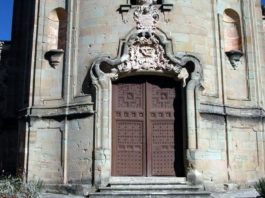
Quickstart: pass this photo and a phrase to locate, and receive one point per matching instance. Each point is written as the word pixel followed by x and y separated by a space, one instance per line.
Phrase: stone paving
pixel 243 193
pixel 47 195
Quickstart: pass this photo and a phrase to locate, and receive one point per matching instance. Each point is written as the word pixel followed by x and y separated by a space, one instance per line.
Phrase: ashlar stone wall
pixel 59 131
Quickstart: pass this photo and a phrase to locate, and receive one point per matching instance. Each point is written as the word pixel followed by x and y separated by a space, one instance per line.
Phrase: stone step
pixel 150 188
pixel 147 180
pixel 130 194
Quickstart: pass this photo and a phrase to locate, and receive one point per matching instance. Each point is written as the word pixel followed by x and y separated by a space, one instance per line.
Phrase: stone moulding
pixel 139 54
pixel 71 110
pixel 248 112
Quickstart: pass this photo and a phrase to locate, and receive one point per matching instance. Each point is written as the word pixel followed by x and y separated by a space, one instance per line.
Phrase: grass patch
pixel 15 187
pixel 260 187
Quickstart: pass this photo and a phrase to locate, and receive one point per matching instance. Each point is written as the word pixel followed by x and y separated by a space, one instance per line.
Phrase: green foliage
pixel 14 187
pixel 32 188
pixel 260 187
pixel 9 186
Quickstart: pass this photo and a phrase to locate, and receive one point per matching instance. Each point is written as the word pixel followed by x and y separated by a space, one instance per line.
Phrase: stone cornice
pixel 245 112
pixel 75 110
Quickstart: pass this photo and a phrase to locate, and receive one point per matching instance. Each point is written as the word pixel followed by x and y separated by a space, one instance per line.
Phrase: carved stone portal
pixel 147 50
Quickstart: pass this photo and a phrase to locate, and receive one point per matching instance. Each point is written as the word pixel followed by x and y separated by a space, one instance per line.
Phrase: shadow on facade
pixel 15 61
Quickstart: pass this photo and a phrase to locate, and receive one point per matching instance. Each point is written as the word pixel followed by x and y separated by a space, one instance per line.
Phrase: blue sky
pixel 6 10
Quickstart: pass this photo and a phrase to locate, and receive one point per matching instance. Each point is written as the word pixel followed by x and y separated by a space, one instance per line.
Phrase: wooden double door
pixel 147 127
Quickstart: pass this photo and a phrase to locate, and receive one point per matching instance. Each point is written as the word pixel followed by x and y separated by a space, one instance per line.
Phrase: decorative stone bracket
pixel 54 57
pixel 234 57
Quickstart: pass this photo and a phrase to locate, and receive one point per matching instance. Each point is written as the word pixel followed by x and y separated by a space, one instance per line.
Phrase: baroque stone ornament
pixel 147 50
pixel 146 17
pixel 145 53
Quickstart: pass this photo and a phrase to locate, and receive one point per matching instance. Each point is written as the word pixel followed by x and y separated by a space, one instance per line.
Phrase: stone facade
pixel 68 52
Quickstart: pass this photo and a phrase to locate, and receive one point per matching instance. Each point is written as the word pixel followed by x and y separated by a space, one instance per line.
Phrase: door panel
pixel 129 129
pixel 144 131
pixel 160 127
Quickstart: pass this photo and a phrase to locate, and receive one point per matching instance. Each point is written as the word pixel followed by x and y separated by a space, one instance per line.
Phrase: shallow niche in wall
pixel 232 37
pixel 56 34
pixel 52 75
pixel 236 73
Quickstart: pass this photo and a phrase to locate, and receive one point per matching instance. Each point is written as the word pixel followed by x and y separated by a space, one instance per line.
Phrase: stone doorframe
pixel 140 54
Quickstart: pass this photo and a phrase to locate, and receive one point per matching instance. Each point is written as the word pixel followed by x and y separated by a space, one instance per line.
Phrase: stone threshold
pixel 147 180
